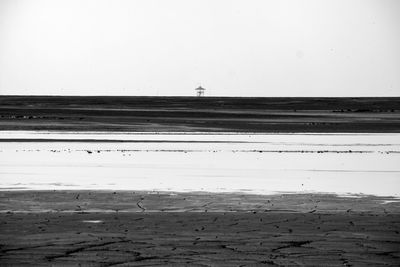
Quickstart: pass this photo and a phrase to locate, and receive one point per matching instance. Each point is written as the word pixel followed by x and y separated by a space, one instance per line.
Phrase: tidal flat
pixel 125 228
pixel 349 164
pixel 201 114
pixel 199 199
pixel 184 181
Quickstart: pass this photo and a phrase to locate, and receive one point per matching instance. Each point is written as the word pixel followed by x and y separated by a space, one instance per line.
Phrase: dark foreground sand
pixel 68 228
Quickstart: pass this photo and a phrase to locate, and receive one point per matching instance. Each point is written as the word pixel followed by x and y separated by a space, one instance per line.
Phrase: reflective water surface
pixel 253 163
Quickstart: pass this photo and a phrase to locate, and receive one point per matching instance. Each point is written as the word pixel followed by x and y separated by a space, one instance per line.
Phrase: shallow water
pixel 253 163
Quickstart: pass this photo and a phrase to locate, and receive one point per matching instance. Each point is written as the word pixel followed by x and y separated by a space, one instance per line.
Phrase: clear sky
pixel 230 47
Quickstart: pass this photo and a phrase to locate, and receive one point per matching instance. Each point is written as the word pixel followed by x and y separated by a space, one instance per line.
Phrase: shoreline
pixel 195 133
pixel 209 163
pixel 166 228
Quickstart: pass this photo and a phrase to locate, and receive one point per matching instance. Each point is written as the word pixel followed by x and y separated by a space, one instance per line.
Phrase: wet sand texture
pixel 361 232
pixel 188 114
pixel 200 239
pixel 152 201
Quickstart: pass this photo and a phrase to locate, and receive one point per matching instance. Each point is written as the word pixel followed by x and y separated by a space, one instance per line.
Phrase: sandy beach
pixel 124 228
pixel 239 184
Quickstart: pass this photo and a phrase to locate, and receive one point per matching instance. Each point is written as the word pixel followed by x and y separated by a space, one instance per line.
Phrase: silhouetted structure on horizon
pixel 200 91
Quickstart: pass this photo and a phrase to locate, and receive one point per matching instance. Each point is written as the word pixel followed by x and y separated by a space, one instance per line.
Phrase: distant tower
pixel 200 91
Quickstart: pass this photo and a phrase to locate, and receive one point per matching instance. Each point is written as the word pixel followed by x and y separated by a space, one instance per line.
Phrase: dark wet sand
pixel 149 228
pixel 193 114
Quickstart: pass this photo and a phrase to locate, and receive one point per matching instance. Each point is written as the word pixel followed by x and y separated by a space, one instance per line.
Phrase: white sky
pixel 230 47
